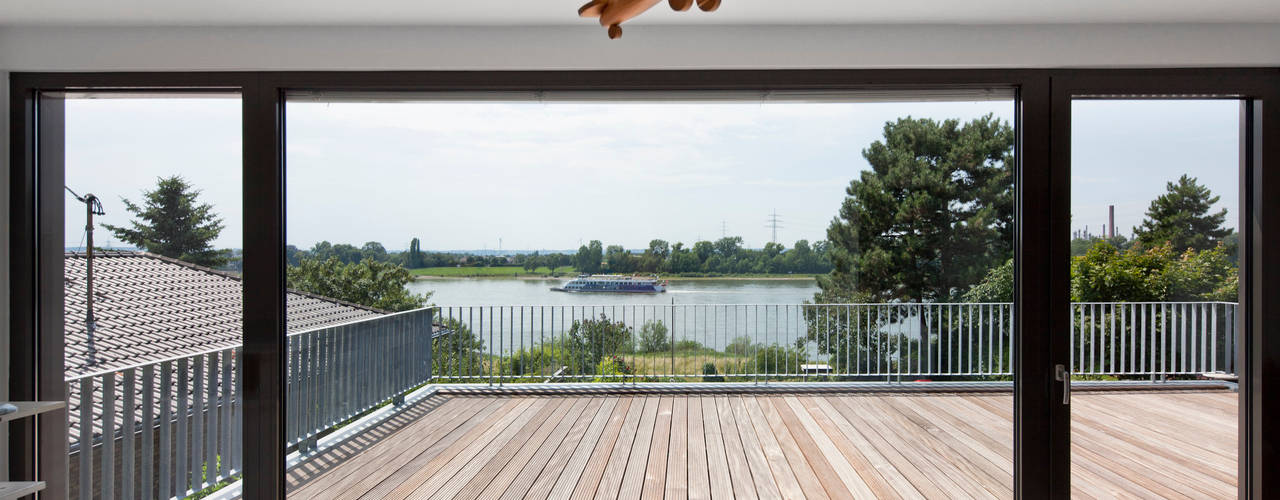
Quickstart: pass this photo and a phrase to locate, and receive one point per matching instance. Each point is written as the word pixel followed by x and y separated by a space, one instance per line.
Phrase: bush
pixel 689 346
pixel 777 359
pixel 613 367
pixel 654 337
pixel 709 373
pixel 741 346
pixel 590 340
pixel 459 353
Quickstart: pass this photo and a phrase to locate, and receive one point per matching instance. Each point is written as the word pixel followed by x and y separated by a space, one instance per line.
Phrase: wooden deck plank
pixel 559 482
pixel 981 467
pixel 611 480
pixel 883 445
pixel 906 466
pixel 400 472
pixel 585 487
pixel 766 485
pixel 561 444
pixel 817 409
pixel 501 446
pixel 717 461
pixel 699 472
pixel 655 475
pixel 449 463
pixel 739 469
pixel 831 481
pixel 638 460
pixel 485 430
pixel 362 471
pixel 677 473
pixel 543 443
pixel 779 469
pixel 804 413
pixel 932 457
pixel 800 467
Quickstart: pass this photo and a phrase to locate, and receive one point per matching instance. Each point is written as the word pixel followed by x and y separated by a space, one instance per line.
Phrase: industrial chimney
pixel 1111 220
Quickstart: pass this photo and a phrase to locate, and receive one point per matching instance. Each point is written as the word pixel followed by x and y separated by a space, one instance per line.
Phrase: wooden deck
pixel 937 445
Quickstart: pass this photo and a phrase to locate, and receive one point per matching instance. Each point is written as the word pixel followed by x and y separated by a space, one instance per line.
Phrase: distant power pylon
pixel 724 229
pixel 775 223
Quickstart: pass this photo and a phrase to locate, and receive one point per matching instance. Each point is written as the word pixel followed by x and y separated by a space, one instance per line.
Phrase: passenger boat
pixel 614 283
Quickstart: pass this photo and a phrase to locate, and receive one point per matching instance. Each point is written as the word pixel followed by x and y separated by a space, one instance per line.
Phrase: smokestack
pixel 1111 219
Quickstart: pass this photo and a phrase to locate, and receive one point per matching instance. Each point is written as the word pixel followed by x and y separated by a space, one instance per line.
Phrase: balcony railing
pixel 761 343
pixel 173 427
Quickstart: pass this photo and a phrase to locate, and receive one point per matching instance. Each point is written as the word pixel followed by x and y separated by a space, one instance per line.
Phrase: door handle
pixel 1063 375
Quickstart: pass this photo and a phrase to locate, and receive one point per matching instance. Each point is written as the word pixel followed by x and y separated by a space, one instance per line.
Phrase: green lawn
pixel 480 272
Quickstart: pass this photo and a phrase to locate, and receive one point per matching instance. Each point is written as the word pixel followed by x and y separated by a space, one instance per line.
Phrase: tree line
pixel 724 256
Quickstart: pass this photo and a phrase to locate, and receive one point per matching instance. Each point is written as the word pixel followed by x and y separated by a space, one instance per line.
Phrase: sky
pixel 554 175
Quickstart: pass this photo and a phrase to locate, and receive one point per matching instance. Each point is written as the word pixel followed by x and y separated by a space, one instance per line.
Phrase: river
pixel 530 292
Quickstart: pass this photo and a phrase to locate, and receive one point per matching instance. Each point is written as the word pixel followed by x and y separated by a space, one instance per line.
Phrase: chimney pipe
pixel 1111 219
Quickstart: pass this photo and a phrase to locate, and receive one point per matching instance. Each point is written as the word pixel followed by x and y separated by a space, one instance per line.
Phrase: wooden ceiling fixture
pixel 613 13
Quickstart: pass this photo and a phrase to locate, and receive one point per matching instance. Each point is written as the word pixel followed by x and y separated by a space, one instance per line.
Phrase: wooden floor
pixel 938 445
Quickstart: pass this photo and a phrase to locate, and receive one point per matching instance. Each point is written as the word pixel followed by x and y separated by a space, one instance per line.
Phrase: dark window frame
pixel 1042 426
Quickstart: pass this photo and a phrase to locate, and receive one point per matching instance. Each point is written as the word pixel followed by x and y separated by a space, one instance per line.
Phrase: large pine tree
pixel 172 222
pixel 1181 218
pixel 930 219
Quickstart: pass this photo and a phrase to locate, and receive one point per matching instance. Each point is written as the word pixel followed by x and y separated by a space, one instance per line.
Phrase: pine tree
pixel 930 219
pixel 1181 217
pixel 173 223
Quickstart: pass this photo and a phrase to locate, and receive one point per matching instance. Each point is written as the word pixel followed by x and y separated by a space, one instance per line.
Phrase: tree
pixel 416 258
pixel 654 337
pixel 374 251
pixel 929 219
pixel 729 246
pixel 531 262
pixel 589 257
pixel 369 283
pixel 590 340
pixel 174 224
pixel 1108 274
pixel 1181 217
pixel 619 259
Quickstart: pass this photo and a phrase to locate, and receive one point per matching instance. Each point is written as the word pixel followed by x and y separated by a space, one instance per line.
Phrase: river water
pixel 513 313
pixel 531 292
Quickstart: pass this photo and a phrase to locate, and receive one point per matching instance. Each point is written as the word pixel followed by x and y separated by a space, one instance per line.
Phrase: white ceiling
pixel 563 12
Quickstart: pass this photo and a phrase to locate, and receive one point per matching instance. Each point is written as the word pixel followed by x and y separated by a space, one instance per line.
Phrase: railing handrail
pixel 792 304
pixel 238 345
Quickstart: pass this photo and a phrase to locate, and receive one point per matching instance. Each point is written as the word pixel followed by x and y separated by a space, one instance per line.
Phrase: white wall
pixel 586 47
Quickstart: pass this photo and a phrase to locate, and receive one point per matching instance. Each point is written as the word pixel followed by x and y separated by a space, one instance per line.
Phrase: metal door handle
pixel 1064 376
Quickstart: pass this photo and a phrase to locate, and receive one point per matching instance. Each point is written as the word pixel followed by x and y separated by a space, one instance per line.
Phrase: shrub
pixel 459 353
pixel 654 337
pixel 741 346
pixel 612 367
pixel 590 340
pixel 709 373
pixel 689 346
pixel 777 359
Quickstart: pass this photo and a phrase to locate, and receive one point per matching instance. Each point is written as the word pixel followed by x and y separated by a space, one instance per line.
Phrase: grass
pixel 489 272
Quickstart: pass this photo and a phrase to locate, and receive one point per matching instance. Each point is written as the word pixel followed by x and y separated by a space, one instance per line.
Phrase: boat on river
pixel 613 283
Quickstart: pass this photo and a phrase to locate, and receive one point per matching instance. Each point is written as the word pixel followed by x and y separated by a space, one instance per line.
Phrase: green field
pixel 488 272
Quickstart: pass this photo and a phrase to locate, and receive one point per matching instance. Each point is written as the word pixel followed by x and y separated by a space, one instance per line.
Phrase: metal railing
pixel 174 427
pixel 952 341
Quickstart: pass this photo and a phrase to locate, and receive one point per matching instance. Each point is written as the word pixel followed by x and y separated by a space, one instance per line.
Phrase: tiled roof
pixel 149 307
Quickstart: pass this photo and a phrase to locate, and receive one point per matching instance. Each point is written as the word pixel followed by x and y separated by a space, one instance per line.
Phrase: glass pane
pixel 1154 284
pixel 644 246
pixel 152 294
